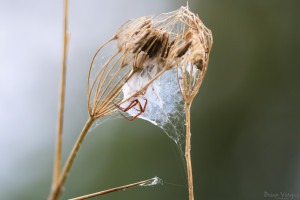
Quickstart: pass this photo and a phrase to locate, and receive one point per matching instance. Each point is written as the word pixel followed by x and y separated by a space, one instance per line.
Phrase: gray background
pixel 245 119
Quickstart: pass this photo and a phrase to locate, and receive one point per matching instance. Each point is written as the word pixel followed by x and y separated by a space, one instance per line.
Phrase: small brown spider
pixel 132 105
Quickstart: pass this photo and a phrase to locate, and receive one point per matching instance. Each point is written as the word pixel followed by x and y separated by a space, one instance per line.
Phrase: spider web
pixel 165 107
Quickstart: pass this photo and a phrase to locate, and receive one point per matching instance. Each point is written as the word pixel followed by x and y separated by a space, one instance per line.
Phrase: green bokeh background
pixel 245 119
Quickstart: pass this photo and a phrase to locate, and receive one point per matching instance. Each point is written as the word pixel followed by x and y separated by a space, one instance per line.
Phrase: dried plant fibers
pixel 152 69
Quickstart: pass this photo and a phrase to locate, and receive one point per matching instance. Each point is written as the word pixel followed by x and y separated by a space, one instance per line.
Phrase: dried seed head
pixel 147 47
pixel 192 54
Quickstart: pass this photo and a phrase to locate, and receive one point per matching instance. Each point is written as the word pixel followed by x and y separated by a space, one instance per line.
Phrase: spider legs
pixel 130 106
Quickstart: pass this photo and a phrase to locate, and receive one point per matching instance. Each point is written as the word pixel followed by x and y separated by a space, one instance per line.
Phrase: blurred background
pixel 245 118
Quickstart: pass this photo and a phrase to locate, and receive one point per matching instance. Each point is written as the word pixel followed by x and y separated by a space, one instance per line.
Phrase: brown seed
pixel 168 48
pixel 183 49
pixel 146 24
pixel 148 43
pixel 141 42
pixel 187 36
pixel 199 64
pixel 165 44
pixel 155 47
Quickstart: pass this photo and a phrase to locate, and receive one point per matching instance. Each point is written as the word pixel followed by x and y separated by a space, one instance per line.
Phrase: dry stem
pixel 56 192
pixel 57 160
pixel 188 151
pixel 112 190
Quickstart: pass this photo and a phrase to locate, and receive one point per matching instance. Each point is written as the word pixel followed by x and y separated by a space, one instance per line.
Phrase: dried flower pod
pixel 145 48
pixel 196 42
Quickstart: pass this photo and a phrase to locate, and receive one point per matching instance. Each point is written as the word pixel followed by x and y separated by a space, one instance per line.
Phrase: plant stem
pixel 112 190
pixel 188 151
pixel 56 192
pixel 57 159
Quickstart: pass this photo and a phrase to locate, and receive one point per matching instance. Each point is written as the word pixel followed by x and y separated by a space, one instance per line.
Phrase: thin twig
pixel 57 190
pixel 188 151
pixel 113 190
pixel 57 160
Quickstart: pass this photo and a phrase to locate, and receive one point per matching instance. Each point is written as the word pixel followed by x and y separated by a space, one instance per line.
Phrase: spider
pixel 131 105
